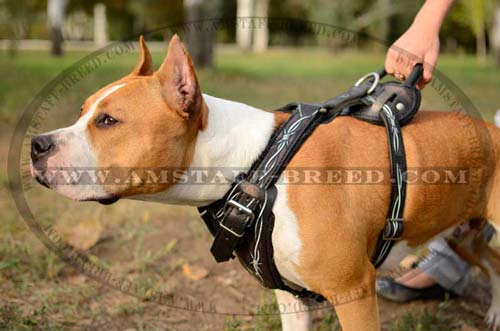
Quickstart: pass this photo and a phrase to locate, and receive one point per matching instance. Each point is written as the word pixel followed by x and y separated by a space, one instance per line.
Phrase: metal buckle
pixel 393 229
pixel 239 235
pixel 242 209
pixel 376 80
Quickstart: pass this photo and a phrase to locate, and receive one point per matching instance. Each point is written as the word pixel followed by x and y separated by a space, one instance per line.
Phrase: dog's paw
pixel 493 318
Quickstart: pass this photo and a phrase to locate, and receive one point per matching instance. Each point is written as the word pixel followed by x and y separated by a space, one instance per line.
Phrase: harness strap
pixel 242 222
pixel 268 275
pixel 239 207
pixel 394 226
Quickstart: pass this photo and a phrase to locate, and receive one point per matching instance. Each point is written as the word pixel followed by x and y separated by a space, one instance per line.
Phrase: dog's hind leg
pixel 474 248
pixel 492 264
pixel 295 316
pixel 491 256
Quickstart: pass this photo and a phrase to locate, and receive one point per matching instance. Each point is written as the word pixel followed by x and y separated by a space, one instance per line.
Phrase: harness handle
pixel 415 75
pixel 381 72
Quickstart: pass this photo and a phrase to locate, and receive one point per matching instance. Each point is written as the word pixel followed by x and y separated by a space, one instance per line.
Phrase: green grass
pixel 265 80
pixel 424 321
pixel 12 319
pixel 441 318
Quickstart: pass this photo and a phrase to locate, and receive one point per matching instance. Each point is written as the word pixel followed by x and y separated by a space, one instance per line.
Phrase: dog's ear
pixel 178 80
pixel 144 66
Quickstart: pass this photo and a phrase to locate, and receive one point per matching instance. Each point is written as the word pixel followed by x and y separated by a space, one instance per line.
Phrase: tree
pixel 100 25
pixel 373 17
pixel 479 14
pixel 200 41
pixel 17 16
pixel 261 33
pixel 56 10
pixel 495 35
pixel 243 31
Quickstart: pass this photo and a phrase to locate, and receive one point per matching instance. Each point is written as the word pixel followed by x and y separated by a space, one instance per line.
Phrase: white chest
pixel 286 240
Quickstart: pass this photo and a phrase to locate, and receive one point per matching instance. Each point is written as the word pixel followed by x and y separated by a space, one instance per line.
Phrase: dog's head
pixel 146 120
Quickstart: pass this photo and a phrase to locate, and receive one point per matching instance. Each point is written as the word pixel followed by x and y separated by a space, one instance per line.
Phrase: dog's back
pixel 451 160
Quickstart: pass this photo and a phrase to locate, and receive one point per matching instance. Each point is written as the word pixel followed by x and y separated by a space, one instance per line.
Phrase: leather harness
pixel 242 221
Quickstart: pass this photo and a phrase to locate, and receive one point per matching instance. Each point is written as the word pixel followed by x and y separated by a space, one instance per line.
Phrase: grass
pixel 441 318
pixel 424 321
pixel 148 243
pixel 12 319
pixel 264 80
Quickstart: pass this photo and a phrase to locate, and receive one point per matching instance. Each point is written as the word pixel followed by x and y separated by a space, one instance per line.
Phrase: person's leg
pixel 444 267
pixel 416 278
pixel 442 270
pixel 433 276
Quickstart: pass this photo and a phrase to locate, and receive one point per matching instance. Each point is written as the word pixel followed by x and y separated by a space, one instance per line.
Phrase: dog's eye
pixel 108 120
pixel 104 120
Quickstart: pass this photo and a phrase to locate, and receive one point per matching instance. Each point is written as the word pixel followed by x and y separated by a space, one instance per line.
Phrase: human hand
pixel 418 44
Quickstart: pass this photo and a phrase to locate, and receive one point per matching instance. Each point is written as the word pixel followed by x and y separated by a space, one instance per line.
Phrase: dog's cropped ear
pixel 144 66
pixel 178 79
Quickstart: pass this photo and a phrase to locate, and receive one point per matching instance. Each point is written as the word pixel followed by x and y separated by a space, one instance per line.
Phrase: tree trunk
pixel 13 36
pixel 481 46
pixel 495 35
pixel 200 41
pixel 55 14
pixel 100 25
pixel 243 30
pixel 261 33
pixel 384 6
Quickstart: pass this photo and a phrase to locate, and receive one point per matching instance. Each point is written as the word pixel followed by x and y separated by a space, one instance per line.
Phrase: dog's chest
pixel 286 239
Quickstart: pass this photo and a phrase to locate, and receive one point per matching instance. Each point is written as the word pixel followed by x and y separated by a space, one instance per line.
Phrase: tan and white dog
pixel 324 235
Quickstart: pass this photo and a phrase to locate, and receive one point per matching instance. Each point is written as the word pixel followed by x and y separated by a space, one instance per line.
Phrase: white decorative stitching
pixel 268 167
pixel 399 180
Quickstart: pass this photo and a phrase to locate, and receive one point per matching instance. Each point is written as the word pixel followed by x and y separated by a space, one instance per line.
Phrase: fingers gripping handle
pixel 415 75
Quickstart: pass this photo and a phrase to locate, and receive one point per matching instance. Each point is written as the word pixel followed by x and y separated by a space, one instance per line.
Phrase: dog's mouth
pixel 41 182
pixel 108 201
pixel 36 175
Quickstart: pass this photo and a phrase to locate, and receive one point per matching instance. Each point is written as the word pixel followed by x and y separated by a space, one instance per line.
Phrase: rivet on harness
pixel 242 222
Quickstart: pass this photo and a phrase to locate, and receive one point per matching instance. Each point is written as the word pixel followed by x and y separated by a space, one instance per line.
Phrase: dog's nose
pixel 40 146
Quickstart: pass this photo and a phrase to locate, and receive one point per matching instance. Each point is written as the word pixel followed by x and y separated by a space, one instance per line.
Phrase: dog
pixel 324 235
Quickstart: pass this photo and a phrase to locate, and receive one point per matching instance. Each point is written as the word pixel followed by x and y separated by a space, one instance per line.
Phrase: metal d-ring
pixel 376 80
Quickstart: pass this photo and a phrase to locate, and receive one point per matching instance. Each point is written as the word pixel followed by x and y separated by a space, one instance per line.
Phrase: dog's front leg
pixel 295 316
pixel 359 315
pixel 355 299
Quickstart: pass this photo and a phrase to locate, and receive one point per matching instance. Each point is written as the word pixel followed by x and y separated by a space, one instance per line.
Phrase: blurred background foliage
pixel 468 28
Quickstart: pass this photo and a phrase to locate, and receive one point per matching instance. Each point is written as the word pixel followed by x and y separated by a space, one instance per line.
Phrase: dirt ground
pixel 75 302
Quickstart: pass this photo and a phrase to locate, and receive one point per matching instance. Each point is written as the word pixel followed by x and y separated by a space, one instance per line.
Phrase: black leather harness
pixel 242 221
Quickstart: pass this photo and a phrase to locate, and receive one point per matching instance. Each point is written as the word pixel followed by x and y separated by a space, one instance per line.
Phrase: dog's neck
pixel 235 136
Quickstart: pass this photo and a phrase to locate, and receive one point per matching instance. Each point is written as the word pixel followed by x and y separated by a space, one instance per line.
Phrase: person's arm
pixel 420 43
